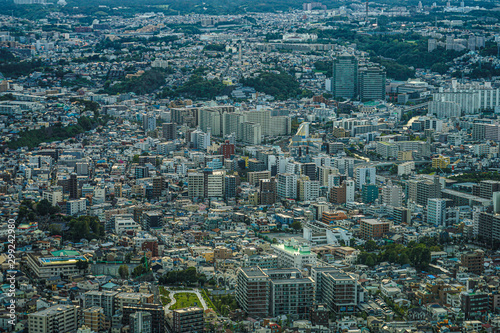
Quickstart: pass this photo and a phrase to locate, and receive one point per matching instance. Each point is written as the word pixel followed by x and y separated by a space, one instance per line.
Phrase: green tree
pixel 370 245
pixel 82 265
pixel 123 271
pixel 296 225
pixel 55 229
pixel 282 86
pixel 44 207
pixel 370 261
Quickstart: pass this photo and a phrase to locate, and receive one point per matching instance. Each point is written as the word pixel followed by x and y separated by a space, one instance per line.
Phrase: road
pixel 173 300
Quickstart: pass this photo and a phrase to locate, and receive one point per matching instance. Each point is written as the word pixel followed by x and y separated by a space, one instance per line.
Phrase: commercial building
pixel 229 186
pixel 371 228
pixel 372 83
pixel 345 76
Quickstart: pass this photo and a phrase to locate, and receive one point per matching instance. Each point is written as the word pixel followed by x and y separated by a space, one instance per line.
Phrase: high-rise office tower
pixel 372 83
pixel 230 187
pixel 345 76
pixel 73 186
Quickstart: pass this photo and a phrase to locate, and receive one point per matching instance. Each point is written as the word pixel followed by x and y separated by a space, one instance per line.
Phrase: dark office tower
pixel 372 83
pixel 152 219
pixel 169 131
pixel 73 186
pixel 157 186
pixel 309 170
pixel 345 76
pixel 141 172
pixel 155 310
pixel 230 187
pixel 428 190
pixel 267 191
pixel 188 320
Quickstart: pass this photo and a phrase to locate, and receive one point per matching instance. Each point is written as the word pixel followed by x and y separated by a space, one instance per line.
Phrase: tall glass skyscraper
pixel 372 83
pixel 345 76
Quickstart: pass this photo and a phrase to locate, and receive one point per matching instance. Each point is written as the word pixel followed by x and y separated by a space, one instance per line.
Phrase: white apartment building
pixel 392 195
pixel 287 185
pixel 53 197
pixel 74 207
pixel 294 254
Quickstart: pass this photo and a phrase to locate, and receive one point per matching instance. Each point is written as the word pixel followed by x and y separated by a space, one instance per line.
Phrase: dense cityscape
pixel 277 166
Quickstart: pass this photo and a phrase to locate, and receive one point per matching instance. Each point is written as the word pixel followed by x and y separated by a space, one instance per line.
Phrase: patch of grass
pixel 164 295
pixel 184 300
pixel 207 300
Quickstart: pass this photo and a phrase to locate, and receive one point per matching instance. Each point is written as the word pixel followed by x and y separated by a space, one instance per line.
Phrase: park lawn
pixel 184 300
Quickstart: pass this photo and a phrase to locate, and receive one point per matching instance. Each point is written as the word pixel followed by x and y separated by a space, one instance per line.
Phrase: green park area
pixel 184 300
